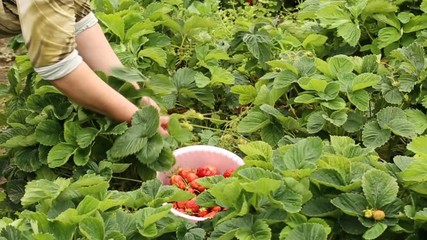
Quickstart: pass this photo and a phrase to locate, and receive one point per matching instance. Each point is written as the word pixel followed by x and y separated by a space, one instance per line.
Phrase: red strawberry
pixel 190 177
pixel 181 204
pixel 184 171
pixel 206 171
pixel 216 209
pixel 195 185
pixel 178 181
pixel 202 212
pixel 191 206
pixel 191 190
pixel 228 172
pixel 211 214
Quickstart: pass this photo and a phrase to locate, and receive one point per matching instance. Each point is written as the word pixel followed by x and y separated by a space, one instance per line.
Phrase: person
pixel 66 45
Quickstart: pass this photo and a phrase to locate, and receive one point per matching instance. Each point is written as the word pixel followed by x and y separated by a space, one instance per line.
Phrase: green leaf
pixel 375 231
pixel 387 36
pixel 423 6
pixel 350 32
pixel 15 189
pixel 340 64
pixel 333 178
pixel 352 204
pixel 257 148
pixel 379 188
pixel 184 80
pixel 164 162
pixel 374 136
pixel 335 104
pixel 272 133
pixel 147 117
pixel 221 75
pixel 290 200
pixel 365 80
pixel 333 16
pixel 416 23
pixel 257 230
pixel 391 95
pixel 330 92
pixel 59 154
pixel 180 134
pixel 128 74
pixel 418 119
pixel 39 190
pixel 316 122
pixel 27 159
pixel 402 127
pixel 356 7
pixel 306 150
pixel 131 142
pixel 418 145
pixel 147 218
pixel 247 93
pixel 151 151
pixel 157 54
pixel 317 85
pixel 17 118
pixel 314 40
pixel 318 207
pixel 306 98
pixel 263 186
pixel 70 132
pixel 354 122
pixel 86 136
pixel 415 172
pixel 360 99
pixel 82 156
pixel 307 231
pixel 370 64
pixel 114 22
pixel 92 228
pixel 255 120
pixel 338 118
pixel 201 80
pixel 49 132
pixel 260 46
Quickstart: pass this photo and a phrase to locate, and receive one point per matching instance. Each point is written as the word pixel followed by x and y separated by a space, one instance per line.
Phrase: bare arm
pixel 85 88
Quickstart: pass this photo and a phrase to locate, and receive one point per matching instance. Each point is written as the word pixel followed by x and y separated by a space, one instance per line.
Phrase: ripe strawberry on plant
pixel 228 172
pixel 378 215
pixel 206 171
pixel 178 181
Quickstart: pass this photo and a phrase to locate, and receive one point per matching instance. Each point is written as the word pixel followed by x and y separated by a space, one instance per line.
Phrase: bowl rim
pixel 204 148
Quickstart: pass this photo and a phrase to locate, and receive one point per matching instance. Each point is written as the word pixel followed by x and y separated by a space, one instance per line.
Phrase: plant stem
pixel 127 179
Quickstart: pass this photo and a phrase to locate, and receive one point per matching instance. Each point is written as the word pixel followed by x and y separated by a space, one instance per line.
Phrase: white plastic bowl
pixel 197 156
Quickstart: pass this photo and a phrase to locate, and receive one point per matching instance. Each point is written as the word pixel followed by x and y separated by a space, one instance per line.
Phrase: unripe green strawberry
pixel 368 213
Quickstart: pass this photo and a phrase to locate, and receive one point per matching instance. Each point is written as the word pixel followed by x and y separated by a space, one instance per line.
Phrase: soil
pixel 6 60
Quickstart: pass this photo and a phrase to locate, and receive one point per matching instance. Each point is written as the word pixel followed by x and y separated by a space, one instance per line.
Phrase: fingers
pixel 147 101
pixel 164 123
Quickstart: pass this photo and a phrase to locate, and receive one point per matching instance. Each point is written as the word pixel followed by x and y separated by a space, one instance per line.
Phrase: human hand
pixel 164 120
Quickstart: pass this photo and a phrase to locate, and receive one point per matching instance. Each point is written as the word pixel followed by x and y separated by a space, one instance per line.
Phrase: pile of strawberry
pixel 186 179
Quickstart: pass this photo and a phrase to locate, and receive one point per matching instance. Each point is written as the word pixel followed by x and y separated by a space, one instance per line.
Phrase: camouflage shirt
pixel 49 29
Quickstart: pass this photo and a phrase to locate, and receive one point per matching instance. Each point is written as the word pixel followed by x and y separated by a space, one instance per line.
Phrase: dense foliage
pixel 325 100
